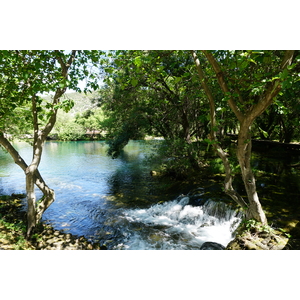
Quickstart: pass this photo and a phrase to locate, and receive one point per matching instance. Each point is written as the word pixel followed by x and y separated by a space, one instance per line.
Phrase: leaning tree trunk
pixel 33 177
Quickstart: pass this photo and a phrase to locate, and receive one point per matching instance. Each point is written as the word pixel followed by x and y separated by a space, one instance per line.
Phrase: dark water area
pixel 118 203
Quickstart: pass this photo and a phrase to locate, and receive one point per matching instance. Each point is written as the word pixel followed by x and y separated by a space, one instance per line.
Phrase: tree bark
pixel 31 200
pixel 244 146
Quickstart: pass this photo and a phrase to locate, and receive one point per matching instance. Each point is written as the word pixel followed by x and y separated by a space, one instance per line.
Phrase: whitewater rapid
pixel 178 224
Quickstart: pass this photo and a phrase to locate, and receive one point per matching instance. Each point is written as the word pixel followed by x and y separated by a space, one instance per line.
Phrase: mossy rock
pixel 254 238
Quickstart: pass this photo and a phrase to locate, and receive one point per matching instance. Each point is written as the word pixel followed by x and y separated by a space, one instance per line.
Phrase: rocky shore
pixel 13 229
pixel 251 235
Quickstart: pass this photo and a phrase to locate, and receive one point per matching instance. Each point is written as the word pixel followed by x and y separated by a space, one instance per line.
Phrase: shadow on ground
pixel 294 240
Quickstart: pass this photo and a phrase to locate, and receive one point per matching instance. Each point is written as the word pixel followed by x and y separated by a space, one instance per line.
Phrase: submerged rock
pixel 212 246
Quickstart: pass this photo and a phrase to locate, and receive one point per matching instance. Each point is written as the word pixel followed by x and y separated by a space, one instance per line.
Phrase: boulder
pixel 212 246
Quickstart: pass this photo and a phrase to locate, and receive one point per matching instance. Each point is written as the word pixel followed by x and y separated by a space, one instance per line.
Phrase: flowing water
pixel 117 202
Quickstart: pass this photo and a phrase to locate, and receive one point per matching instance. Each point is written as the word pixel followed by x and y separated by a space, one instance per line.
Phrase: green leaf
pixel 134 82
pixel 283 75
pixel 264 133
pixel 138 61
pixel 244 65
pixel 109 70
pixel 177 79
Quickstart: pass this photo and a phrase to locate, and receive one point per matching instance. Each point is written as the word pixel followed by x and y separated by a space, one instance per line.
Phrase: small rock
pixel 41 244
pixel 53 240
pixel 4 242
pixel 59 245
pixel 81 239
pixel 49 231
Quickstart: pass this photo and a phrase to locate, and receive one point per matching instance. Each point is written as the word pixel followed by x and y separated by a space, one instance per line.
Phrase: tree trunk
pixel 229 190
pixel 33 177
pixel 254 210
pixel 31 200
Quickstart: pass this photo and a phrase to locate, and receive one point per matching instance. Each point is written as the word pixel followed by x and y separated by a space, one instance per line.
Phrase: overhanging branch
pixel 223 84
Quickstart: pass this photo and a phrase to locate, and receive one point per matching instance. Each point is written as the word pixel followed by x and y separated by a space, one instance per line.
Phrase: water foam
pixel 179 225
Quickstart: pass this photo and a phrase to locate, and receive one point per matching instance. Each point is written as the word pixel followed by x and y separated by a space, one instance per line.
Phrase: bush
pixel 178 159
pixel 71 131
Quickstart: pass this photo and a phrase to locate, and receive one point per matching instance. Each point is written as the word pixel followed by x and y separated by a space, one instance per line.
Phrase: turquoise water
pixel 117 202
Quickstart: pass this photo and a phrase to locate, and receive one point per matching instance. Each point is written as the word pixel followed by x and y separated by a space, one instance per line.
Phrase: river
pixel 117 203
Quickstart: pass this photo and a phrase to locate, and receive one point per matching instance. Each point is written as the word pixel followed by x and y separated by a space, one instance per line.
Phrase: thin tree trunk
pixel 244 146
pixel 31 200
pixel 229 190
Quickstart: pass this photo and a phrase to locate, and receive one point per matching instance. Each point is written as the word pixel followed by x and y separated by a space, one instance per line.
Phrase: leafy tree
pixel 70 131
pixel 281 119
pixel 25 75
pixel 156 92
pixel 91 120
pixel 250 82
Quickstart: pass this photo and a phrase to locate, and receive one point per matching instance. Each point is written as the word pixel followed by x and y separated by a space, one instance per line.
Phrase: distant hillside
pixel 82 101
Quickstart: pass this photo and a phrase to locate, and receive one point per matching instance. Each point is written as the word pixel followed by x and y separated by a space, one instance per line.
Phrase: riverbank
pixel 13 229
pixel 249 236
pixel 252 235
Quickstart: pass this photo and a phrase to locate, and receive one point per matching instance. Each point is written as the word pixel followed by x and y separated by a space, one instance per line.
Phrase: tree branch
pixel 60 91
pixel 223 84
pixel 273 89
